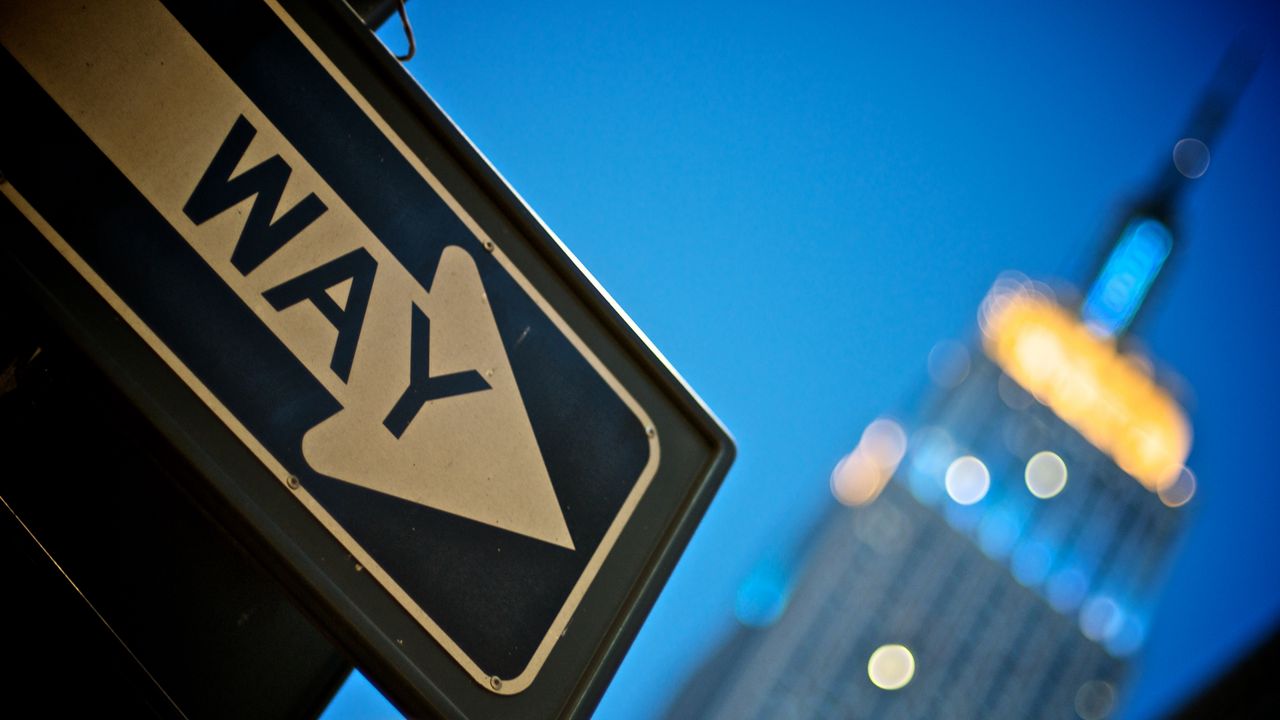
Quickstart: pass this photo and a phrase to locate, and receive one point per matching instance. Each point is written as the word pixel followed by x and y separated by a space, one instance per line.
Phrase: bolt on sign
pixel 452 446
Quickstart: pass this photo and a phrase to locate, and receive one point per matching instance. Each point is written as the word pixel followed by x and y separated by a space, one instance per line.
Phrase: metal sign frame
pixel 411 667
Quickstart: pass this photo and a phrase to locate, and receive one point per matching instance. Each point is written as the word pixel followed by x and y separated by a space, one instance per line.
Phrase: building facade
pixel 996 556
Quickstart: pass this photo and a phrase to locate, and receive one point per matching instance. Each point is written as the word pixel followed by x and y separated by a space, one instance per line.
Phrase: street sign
pixel 401 389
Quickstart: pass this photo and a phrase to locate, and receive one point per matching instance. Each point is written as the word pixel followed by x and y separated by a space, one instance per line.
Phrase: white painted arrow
pixel 471 454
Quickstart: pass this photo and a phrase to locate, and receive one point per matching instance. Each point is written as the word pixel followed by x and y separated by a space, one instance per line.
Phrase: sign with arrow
pixel 460 455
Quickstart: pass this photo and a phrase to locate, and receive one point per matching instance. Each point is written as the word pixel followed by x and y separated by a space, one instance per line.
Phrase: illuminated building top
pixel 1107 396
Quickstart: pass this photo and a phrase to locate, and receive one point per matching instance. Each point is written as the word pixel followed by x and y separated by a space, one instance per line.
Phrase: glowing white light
pixel 891 667
pixel 1046 474
pixel 967 480
pixel 1041 354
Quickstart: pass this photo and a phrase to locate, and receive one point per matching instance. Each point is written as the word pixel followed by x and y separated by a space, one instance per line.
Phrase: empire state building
pixel 999 553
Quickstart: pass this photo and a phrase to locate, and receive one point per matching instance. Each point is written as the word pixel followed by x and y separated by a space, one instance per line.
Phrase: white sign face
pixel 311 279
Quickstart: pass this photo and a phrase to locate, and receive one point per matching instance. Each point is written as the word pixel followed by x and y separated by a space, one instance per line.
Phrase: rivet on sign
pixel 651 432
pixel 292 482
pixel 488 245
pixel 495 682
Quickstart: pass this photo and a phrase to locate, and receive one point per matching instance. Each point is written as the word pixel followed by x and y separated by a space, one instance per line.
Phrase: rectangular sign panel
pixel 486 463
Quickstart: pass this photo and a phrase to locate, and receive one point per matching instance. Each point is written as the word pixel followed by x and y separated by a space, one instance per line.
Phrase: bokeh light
pixel 932 451
pixel 1012 394
pixel 860 476
pixel 968 480
pixel 1095 700
pixel 1191 157
pixel 891 667
pixel 997 532
pixel 762 597
pixel 1110 399
pixel 856 479
pixel 885 442
pixel 1066 589
pixel 1181 491
pixel 1100 618
pixel 1046 474
pixel 1030 562
pixel 1129 638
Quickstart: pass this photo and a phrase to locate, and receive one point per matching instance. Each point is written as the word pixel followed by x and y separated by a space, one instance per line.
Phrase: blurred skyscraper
pixel 999 554
pixel 1009 568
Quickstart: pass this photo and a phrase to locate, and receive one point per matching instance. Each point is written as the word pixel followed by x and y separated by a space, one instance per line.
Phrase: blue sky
pixel 796 202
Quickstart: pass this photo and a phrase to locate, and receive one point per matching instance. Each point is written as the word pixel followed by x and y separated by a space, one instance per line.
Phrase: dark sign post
pixel 452 448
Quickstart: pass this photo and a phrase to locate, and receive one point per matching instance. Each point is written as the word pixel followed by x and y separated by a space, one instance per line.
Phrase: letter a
pixel 358 267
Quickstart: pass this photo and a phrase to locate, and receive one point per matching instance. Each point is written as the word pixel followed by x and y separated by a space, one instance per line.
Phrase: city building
pixel 999 553
pixel 992 558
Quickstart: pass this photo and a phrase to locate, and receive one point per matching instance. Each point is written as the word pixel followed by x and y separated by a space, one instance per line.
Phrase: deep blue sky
pixel 796 202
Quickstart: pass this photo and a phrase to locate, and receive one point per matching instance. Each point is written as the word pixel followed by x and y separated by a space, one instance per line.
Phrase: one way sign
pixel 460 455
pixel 362 325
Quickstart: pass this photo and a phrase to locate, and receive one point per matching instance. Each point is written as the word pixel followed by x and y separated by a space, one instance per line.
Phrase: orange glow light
pixel 860 476
pixel 1108 397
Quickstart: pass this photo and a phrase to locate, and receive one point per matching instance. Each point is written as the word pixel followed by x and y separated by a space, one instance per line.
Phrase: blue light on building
pixel 1127 276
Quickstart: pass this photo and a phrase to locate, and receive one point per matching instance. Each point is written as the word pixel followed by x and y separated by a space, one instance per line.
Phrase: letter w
pixel 218 192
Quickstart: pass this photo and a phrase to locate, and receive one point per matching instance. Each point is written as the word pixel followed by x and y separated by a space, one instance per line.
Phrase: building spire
pixel 1135 255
